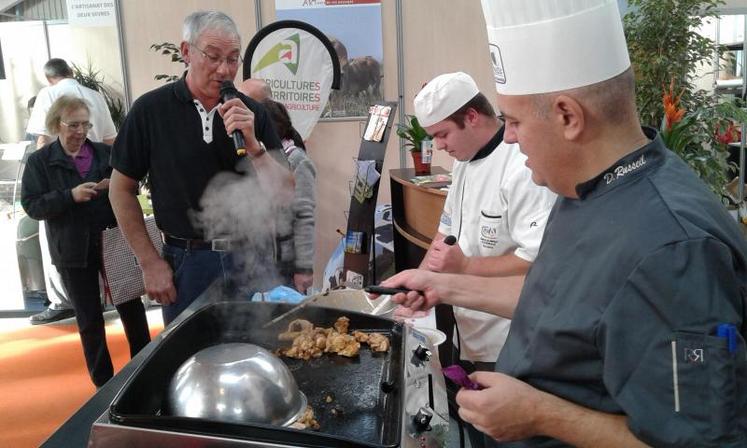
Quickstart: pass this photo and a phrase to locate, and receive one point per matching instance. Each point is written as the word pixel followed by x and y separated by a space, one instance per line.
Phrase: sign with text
pixel 91 12
pixel 298 67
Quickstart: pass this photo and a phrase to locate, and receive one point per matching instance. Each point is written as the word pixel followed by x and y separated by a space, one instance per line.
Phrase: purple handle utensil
pixel 458 375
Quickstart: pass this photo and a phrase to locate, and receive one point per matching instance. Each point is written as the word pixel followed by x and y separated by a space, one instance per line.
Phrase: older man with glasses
pixel 179 135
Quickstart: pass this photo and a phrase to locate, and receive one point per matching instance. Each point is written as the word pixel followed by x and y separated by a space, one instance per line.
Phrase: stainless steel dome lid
pixel 236 382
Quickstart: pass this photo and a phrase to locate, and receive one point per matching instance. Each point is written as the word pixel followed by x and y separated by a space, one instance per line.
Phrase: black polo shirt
pixel 633 278
pixel 163 135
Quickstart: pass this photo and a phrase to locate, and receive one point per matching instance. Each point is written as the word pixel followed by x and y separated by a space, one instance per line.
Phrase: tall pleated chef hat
pixel 443 96
pixel 542 46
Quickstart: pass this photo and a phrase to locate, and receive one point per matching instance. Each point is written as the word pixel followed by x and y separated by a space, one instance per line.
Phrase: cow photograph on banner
pixel 299 64
pixel 355 29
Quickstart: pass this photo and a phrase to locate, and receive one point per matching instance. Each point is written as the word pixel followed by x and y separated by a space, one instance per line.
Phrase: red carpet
pixel 43 379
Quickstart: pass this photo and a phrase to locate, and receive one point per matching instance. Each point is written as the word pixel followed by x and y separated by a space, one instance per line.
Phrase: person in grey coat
pixel 300 267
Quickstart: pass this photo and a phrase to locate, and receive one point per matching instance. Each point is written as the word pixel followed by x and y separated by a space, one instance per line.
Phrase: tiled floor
pixel 11 324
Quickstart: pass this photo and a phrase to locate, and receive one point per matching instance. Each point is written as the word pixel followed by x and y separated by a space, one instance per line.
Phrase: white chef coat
pixel 103 126
pixel 493 208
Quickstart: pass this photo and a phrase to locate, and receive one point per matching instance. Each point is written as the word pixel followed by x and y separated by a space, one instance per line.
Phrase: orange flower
pixel 672 112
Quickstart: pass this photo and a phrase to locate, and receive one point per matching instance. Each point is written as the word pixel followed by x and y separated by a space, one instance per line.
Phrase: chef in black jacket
pixel 629 330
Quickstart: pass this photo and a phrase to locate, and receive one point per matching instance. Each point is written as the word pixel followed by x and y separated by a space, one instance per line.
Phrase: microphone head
pixel 227 87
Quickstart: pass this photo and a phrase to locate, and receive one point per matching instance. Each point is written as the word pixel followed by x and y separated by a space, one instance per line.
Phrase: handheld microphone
pixel 229 92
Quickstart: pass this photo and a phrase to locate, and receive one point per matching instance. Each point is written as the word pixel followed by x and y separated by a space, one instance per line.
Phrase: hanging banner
pixel 91 13
pixel 299 64
pixel 355 29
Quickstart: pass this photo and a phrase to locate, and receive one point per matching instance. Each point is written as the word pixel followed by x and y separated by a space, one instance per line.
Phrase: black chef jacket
pixel 630 283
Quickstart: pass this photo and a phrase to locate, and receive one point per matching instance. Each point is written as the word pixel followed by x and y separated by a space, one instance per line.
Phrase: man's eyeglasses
pixel 78 125
pixel 215 60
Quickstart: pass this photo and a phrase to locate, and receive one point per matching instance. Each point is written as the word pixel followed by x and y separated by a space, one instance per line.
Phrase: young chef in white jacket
pixel 493 208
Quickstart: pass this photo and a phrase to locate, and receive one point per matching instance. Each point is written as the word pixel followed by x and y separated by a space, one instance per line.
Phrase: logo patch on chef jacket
pixel 693 356
pixel 489 235
pixel 446 219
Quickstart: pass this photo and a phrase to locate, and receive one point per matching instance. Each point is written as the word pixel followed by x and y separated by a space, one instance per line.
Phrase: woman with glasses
pixel 66 184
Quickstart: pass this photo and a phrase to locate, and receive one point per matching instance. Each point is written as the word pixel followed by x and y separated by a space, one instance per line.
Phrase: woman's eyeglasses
pixel 86 125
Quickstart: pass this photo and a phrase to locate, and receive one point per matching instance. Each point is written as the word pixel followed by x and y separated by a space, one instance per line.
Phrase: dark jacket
pixel 46 194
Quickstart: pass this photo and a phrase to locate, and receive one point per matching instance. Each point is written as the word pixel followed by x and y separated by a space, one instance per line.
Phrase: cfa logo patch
pixel 287 52
pixel 489 232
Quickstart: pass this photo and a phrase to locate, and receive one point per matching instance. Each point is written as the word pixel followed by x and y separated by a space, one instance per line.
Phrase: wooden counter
pixel 416 211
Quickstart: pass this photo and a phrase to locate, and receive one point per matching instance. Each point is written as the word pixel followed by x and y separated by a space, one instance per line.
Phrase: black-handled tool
pixel 376 289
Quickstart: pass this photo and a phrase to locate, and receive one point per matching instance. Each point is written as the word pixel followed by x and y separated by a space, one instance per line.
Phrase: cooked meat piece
pixel 360 336
pixel 306 420
pixel 341 325
pixel 329 397
pixel 309 341
pixel 295 328
pixel 320 340
pixel 378 342
pixel 300 325
pixel 288 336
pixel 304 347
pixel 342 344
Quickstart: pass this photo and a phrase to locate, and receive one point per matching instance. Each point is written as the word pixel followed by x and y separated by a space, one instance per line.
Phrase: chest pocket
pixel 493 237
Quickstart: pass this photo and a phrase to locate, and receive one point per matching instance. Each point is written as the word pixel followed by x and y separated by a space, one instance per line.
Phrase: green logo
pixel 287 52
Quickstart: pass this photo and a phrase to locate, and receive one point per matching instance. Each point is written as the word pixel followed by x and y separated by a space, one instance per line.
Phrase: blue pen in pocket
pixel 728 332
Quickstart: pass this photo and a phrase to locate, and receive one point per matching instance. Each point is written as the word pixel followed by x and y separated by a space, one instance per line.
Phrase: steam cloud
pixel 239 208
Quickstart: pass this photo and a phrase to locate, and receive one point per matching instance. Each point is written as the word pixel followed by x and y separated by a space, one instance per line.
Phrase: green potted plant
pixel 665 47
pixel 93 79
pixel 416 137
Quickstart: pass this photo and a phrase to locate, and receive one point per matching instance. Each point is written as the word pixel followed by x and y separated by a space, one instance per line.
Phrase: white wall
pixel 24 49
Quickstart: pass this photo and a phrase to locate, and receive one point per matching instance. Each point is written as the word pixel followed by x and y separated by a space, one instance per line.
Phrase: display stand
pixel 358 265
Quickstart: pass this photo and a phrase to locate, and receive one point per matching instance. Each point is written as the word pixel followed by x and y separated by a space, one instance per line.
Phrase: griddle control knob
pixel 422 353
pixel 422 419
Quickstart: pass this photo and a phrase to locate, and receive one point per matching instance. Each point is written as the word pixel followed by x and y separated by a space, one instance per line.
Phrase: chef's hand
pixel 236 116
pixel 303 281
pixel 159 281
pixel 419 281
pixel 443 257
pixel 506 409
pixel 402 313
pixel 84 192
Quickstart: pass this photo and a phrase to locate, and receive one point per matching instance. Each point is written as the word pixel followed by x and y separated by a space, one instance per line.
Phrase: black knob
pixel 422 420
pixel 422 353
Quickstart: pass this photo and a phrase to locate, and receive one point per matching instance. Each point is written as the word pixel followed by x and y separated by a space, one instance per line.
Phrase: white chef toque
pixel 443 96
pixel 542 46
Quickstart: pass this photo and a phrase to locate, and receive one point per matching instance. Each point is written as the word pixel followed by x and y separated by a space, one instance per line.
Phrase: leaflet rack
pixel 358 265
